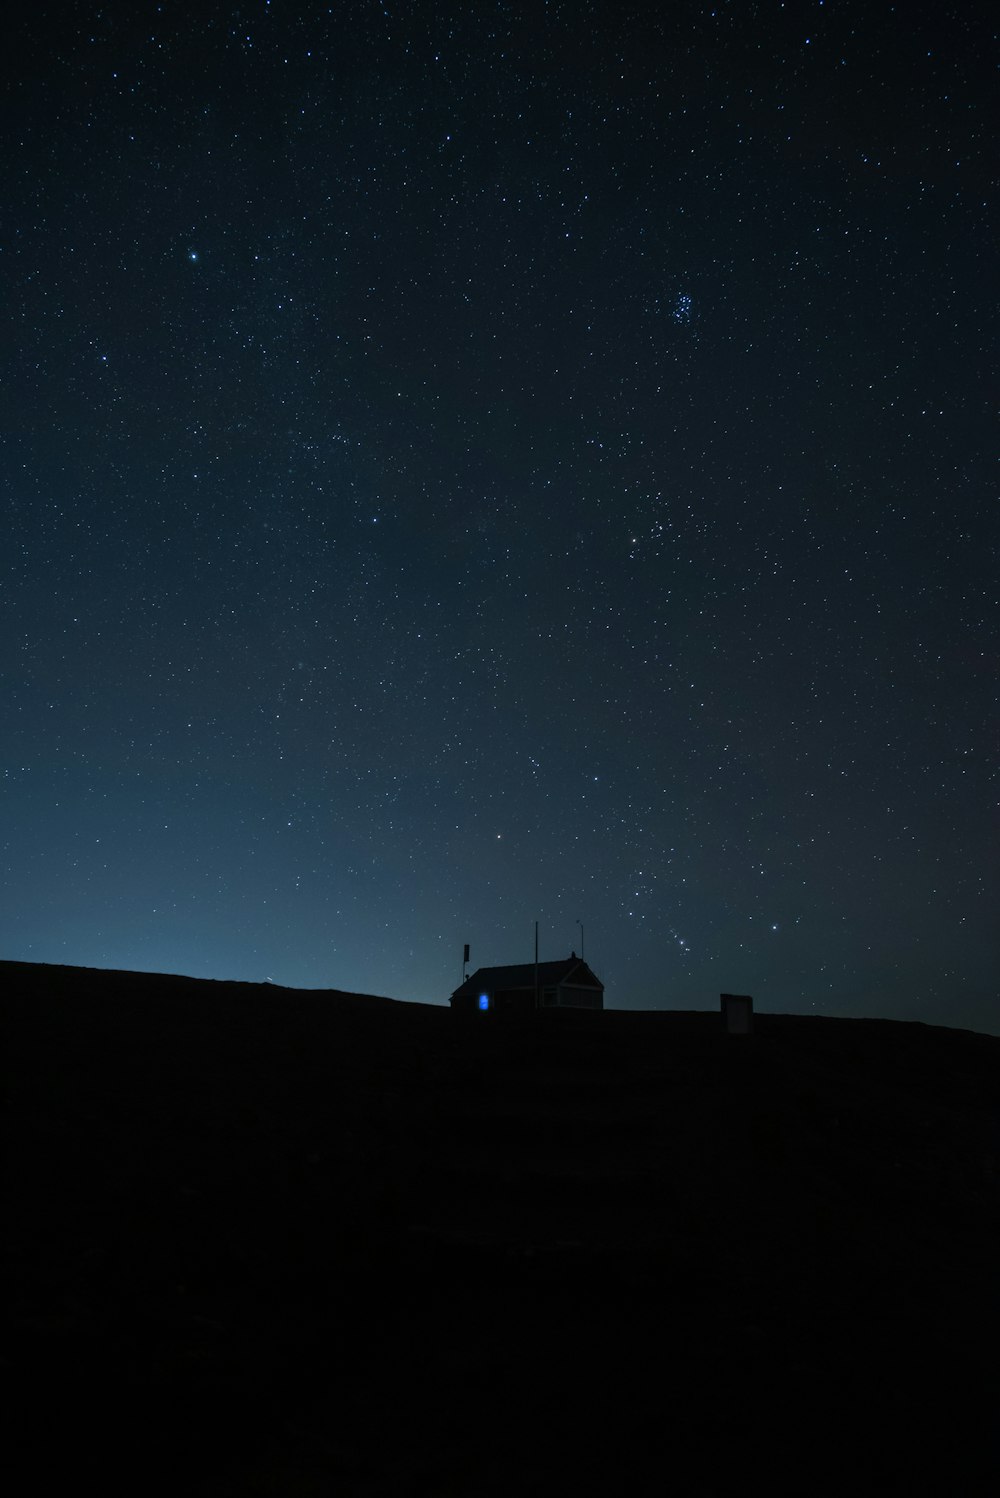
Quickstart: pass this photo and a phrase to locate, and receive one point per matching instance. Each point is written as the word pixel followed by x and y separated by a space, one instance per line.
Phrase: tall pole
pixel 582 952
pixel 536 964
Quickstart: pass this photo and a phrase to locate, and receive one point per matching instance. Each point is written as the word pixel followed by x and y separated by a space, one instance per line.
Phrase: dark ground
pixel 265 1242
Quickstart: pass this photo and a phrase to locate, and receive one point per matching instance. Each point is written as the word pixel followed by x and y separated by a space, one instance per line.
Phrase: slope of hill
pixel 263 1241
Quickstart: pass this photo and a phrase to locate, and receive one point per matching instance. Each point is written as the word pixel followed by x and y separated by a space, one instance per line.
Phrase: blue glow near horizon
pixel 484 1001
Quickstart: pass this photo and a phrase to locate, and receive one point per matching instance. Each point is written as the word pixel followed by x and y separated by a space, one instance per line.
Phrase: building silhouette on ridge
pixel 566 984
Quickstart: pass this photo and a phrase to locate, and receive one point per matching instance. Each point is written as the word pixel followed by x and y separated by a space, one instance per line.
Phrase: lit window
pixel 484 1001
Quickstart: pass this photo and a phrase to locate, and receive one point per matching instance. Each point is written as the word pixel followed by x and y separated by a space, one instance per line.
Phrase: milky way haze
pixel 470 464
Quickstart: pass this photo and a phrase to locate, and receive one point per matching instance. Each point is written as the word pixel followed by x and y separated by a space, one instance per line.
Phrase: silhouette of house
pixel 567 984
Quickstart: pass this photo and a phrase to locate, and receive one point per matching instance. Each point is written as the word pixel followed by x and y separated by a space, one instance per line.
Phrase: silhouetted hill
pixel 265 1241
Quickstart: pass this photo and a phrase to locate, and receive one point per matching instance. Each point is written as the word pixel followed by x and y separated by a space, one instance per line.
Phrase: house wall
pixel 519 1000
pixel 570 997
pixel 504 1001
pixel 515 999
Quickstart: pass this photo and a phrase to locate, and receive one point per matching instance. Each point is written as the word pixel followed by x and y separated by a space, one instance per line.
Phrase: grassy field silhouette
pixel 266 1241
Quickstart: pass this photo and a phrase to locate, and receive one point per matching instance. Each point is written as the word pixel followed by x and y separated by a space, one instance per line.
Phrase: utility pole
pixel 582 953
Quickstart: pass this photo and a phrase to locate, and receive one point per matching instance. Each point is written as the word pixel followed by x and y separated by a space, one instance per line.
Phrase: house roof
pixel 522 975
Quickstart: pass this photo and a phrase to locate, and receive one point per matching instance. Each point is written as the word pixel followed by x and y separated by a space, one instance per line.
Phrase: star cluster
pixel 475 464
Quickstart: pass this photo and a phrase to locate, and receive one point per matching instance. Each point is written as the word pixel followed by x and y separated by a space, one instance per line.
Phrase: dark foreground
pixel 262 1242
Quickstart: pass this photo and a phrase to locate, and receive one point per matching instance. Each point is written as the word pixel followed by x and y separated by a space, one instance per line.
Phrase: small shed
pixel 567 984
pixel 737 1013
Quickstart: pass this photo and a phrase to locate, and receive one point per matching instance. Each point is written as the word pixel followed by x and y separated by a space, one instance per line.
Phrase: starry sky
pixel 466 464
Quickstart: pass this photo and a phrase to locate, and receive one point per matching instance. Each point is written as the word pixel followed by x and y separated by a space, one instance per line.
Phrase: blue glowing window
pixel 484 1001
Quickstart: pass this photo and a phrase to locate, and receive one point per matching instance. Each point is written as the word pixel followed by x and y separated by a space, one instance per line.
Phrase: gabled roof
pixel 550 974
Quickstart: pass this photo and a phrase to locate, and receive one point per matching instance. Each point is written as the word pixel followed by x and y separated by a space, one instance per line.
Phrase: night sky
pixel 471 464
